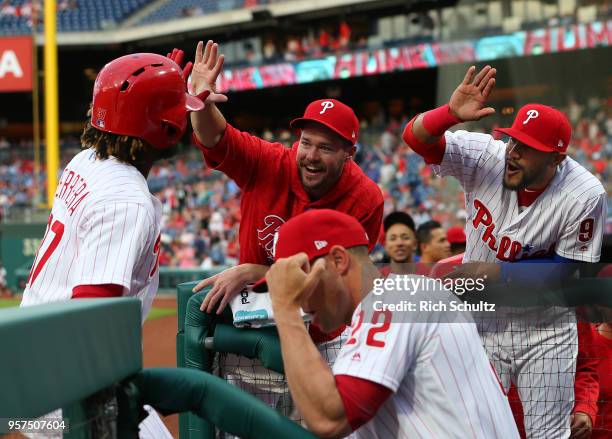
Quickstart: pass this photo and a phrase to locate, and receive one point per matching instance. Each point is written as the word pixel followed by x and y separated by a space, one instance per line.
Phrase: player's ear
pixel 421 247
pixel 340 259
pixel 558 158
pixel 350 152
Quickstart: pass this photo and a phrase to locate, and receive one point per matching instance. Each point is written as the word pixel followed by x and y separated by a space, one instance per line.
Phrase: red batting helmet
pixel 143 95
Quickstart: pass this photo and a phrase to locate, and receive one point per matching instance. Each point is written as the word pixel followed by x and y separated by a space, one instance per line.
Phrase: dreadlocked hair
pixel 126 149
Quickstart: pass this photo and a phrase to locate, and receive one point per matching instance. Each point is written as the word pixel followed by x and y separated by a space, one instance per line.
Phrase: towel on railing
pixel 254 310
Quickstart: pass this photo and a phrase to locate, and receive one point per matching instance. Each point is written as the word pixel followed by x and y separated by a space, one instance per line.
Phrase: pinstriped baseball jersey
pixel 566 219
pixel 104 228
pixel 443 384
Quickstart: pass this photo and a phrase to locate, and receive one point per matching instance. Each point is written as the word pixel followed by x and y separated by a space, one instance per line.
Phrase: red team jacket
pixel 272 191
pixel 603 351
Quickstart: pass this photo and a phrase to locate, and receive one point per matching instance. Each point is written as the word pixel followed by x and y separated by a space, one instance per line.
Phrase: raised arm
pixel 208 123
pixel 311 381
pixel 424 133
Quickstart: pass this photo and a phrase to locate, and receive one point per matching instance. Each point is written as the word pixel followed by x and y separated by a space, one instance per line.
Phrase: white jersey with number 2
pixel 442 381
pixel 104 228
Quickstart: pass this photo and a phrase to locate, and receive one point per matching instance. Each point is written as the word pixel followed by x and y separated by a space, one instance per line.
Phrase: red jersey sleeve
pixel 586 386
pixel 240 155
pixel 372 224
pixel 361 398
pixel 97 291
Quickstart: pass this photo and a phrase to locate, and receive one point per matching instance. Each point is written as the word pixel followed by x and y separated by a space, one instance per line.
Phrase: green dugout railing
pixel 80 354
pixel 169 277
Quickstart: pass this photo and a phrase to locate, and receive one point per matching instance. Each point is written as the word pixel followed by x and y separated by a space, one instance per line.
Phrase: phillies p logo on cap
pixel 540 127
pixel 341 120
pixel 326 106
pixel 531 114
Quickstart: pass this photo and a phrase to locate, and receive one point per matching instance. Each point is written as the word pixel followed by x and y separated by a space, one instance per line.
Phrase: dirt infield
pixel 159 348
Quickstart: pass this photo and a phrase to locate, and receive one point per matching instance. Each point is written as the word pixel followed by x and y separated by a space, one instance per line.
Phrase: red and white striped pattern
pixel 110 226
pixel 443 384
pixel 567 218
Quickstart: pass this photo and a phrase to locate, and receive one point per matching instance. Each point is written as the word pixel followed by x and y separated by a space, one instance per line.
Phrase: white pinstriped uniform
pixel 442 381
pixel 110 233
pixel 554 219
pixel 566 219
pixel 111 223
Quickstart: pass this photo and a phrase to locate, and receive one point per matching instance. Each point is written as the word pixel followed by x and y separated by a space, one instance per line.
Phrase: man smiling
pixel 278 183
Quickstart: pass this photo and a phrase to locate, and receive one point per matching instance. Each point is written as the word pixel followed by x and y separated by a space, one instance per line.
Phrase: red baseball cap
pixel 315 232
pixel 456 235
pixel 335 115
pixel 540 127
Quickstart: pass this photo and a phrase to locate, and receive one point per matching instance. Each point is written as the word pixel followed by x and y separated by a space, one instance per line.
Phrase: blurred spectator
pixel 4 290
pixel 65 5
pixel 192 11
pixel 269 51
pixel 293 52
pixel 344 35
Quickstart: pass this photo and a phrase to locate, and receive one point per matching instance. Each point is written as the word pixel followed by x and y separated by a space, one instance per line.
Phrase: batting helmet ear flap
pixel 172 130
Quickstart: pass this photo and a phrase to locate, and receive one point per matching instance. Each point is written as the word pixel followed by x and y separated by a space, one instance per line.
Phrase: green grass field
pixel 155 313
pixel 7 303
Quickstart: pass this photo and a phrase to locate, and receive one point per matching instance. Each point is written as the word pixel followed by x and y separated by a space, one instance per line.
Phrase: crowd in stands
pixel 17 17
pixel 337 37
pixel 202 207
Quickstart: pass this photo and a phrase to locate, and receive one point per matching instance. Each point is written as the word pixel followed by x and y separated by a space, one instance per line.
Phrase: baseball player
pixel 527 202
pixel 278 183
pixel 393 378
pixel 103 234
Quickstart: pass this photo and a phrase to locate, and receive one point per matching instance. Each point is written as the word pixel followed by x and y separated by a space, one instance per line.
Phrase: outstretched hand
pixel 206 69
pixel 207 95
pixel 468 100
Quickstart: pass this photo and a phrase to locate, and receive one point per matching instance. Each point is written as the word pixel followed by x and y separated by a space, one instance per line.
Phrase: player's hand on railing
pixel 469 99
pixel 227 284
pixel 206 69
